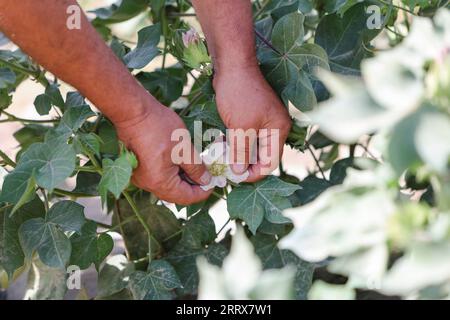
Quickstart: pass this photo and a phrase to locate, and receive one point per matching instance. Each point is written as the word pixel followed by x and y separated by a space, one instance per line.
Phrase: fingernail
pixel 238 168
pixel 205 178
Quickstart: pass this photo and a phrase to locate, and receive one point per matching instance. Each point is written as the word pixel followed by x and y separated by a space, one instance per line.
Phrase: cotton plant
pixel 242 276
pixel 217 160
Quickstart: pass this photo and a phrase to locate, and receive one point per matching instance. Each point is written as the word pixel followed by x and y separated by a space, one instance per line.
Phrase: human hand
pixel 246 101
pixel 149 137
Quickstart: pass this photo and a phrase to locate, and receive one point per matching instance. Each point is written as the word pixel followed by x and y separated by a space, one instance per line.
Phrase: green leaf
pixel 28 195
pixel 7 78
pixel 87 182
pixel 311 188
pixel 46 234
pixel 84 246
pixel 52 162
pixel 5 99
pixel 290 67
pixel 88 248
pixel 208 115
pixel 28 135
pixel 113 276
pixel 53 93
pixel 69 215
pixel 43 104
pixel 105 245
pixel 89 142
pixel 116 177
pixel 74 99
pixel 146 49
pixel 267 198
pixel 108 136
pixel 200 230
pixel 161 220
pixel 11 254
pixel 124 10
pixel 73 119
pixel 51 243
pixel 166 85
pixel 156 283
pixel 344 38
pixel 197 240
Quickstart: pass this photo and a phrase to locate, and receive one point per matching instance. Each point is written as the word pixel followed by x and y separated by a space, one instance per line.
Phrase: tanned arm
pixel 81 58
pixel 241 89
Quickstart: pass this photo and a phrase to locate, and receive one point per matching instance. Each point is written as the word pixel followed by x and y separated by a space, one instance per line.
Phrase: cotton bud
pixel 195 54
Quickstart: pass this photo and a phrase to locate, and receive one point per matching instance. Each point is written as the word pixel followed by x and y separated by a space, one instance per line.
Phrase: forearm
pixel 228 27
pixel 79 56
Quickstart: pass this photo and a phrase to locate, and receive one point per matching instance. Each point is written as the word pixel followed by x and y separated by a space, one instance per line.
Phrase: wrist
pixel 230 63
pixel 134 109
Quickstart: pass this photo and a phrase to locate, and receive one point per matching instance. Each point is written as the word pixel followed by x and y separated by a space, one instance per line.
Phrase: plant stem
pixel 36 74
pixel 87 169
pixel 257 14
pixel 117 226
pixel 223 227
pixel 71 194
pixel 165 34
pixel 316 161
pixel 173 235
pixel 191 104
pixel 179 14
pixel 395 32
pixel 7 159
pixel 218 195
pixel 46 203
pixel 397 7
pixel 143 223
pixel 12 118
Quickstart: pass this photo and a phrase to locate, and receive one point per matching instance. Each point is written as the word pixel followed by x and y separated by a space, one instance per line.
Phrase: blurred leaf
pixel 45 283
pixel 324 291
pixel 241 276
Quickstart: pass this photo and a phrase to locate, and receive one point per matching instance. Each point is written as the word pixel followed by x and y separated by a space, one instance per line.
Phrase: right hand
pixel 149 137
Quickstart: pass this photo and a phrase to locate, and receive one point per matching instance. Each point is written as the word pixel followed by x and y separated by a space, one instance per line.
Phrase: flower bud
pixel 195 54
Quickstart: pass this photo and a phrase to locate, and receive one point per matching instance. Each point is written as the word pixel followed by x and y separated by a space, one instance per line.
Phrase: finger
pixel 270 150
pixel 198 173
pixel 243 146
pixel 183 193
pixel 196 170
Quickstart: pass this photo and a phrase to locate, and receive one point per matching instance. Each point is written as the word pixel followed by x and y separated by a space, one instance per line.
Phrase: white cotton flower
pixel 216 160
